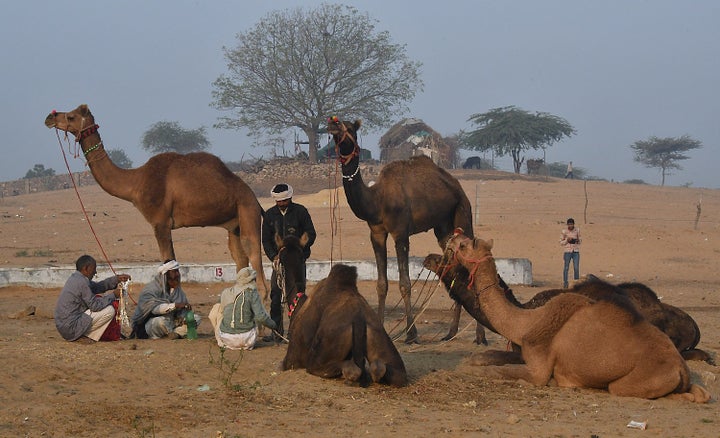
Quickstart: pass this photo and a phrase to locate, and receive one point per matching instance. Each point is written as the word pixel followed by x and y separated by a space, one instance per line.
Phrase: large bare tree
pixel 298 66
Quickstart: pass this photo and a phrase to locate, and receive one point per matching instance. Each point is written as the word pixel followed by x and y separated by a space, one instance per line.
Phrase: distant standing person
pixel 284 219
pixel 81 314
pixel 569 173
pixel 570 240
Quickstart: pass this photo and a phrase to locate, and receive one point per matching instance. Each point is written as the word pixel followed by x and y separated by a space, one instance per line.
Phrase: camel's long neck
pixel 113 179
pixel 501 313
pixel 359 196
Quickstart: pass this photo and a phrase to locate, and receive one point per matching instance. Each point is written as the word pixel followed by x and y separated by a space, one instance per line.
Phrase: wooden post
pixel 586 202
pixel 699 210
pixel 477 205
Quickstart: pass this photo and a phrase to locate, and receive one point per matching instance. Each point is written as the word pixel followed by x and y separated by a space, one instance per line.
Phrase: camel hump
pixel 343 276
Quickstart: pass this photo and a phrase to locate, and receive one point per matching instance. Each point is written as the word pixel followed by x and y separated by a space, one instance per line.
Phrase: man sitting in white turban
pixel 162 306
pixel 240 310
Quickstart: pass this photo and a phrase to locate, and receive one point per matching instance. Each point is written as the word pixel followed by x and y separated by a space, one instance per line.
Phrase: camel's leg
pixel 651 381
pixel 402 248
pixel 696 394
pixel 237 252
pixel 496 357
pixel 697 354
pixel 455 323
pixel 480 334
pixel 377 370
pixel 249 246
pixel 329 361
pixel 379 244
pixel 163 235
pixel 350 371
pixel 515 372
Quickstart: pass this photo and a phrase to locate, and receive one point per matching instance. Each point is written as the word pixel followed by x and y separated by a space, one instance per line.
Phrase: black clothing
pixel 295 221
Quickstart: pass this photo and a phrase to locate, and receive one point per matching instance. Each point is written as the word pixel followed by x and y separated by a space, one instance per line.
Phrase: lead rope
pixel 82 205
pixel 122 315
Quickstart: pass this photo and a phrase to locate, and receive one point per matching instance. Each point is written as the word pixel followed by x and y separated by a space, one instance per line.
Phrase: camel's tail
pixel 359 348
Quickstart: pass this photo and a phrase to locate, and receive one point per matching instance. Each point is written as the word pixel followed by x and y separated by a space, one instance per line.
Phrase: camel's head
pixel 462 247
pixel 75 122
pixel 345 136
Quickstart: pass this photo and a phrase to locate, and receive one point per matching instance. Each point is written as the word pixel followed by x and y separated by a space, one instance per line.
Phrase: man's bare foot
pixel 85 340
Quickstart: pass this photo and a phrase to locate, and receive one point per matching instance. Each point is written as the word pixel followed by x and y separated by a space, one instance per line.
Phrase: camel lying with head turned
pixel 409 197
pixel 175 191
pixel 334 331
pixel 674 322
pixel 577 341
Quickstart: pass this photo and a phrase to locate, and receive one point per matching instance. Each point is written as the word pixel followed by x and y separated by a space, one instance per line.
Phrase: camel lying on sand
pixel 674 322
pixel 577 341
pixel 333 331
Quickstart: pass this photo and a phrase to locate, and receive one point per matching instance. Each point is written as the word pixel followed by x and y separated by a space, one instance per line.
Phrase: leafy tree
pixel 664 153
pixel 297 67
pixel 39 171
pixel 171 137
pixel 120 159
pixel 511 130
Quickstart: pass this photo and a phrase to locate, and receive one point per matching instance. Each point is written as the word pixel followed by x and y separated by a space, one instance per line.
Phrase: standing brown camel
pixel 578 341
pixel 175 191
pixel 409 197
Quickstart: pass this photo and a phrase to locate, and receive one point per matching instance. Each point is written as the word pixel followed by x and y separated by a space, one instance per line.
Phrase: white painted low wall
pixel 513 271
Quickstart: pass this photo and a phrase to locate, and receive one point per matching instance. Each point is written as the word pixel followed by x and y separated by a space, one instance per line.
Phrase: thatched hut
pixel 410 137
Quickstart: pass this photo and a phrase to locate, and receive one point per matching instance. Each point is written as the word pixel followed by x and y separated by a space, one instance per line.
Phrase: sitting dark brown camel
pixel 576 341
pixel 678 325
pixel 334 331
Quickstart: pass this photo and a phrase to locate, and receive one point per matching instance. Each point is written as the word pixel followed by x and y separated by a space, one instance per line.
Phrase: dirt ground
pixel 162 388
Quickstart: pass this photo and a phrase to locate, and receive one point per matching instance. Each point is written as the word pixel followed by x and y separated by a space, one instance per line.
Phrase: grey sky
pixel 618 71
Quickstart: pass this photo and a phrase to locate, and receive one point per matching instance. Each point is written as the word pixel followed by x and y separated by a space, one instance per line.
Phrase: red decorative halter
pixel 343 159
pixel 475 262
pixel 86 132
pixel 294 303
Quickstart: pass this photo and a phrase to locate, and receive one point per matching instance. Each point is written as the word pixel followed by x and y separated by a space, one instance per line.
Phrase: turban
pixel 281 192
pixel 169 266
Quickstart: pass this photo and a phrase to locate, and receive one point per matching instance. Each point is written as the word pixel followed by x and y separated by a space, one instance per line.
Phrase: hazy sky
pixel 618 71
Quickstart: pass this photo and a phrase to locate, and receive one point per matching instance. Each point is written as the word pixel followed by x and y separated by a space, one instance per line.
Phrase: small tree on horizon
pixel 171 137
pixel 511 130
pixel 39 171
pixel 664 153
pixel 297 67
pixel 120 158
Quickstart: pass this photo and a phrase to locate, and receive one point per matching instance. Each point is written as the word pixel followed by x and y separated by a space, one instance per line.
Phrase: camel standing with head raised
pixel 175 191
pixel 409 197
pixel 577 341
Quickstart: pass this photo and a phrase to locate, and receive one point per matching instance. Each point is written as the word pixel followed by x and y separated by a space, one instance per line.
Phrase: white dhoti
pixel 100 322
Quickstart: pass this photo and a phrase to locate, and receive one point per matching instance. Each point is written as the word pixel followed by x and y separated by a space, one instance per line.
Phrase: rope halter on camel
pixel 344 159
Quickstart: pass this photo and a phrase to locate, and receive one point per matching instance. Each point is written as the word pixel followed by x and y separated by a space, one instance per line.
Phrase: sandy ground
pixel 186 388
